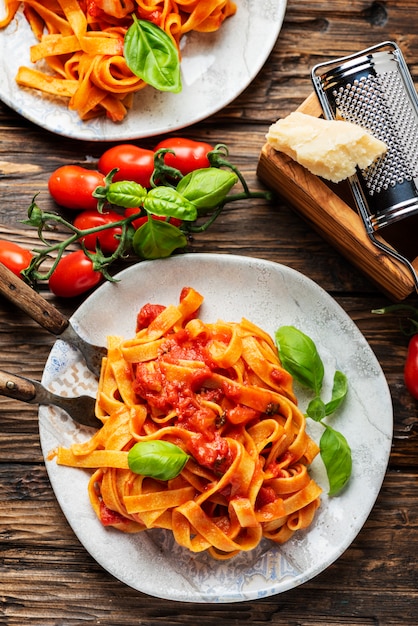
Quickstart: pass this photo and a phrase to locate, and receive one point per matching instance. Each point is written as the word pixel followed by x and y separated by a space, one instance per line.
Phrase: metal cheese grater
pixel 374 90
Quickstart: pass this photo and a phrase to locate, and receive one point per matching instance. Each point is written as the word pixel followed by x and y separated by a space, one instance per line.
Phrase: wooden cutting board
pixel 329 209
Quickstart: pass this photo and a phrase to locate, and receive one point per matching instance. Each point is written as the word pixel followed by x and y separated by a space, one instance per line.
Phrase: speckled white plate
pixel 216 68
pixel 269 295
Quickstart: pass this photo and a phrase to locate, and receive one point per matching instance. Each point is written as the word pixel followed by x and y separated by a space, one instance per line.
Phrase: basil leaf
pixel 126 194
pixel 336 455
pixel 152 56
pixel 157 240
pixel 339 393
pixel 207 187
pixel 158 459
pixel 167 202
pixel 300 357
pixel 316 409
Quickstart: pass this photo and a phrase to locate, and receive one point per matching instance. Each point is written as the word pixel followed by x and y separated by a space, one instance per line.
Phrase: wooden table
pixel 46 577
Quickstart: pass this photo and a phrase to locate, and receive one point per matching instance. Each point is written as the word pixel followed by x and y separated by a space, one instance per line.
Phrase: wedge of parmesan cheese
pixel 328 148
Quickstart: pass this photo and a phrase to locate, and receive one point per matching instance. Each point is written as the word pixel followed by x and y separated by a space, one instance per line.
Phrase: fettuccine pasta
pixel 218 392
pixel 81 46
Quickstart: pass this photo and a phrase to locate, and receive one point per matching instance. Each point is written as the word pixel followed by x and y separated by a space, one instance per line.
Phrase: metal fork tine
pixel 80 408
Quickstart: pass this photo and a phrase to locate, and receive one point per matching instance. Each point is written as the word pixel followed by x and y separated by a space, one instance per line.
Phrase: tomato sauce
pixel 191 393
pixel 147 314
pixel 266 495
pixel 109 517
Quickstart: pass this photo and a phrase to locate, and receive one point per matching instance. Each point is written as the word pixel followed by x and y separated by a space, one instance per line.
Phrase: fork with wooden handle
pixel 79 408
pixel 45 314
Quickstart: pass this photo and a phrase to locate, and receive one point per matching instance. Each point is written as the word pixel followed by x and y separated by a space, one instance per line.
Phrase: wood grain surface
pixel 46 577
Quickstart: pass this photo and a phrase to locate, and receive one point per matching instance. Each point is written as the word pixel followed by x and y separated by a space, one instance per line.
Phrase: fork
pixel 45 314
pixel 79 408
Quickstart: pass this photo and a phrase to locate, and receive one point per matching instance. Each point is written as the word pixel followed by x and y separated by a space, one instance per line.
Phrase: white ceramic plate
pixel 269 295
pixel 216 68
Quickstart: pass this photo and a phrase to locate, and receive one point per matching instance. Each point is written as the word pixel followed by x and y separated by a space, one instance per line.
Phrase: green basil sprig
pixel 207 188
pixel 124 193
pixel 300 357
pixel 157 459
pixel 196 200
pixel 168 202
pixel 151 55
pixel 336 455
pixel 157 240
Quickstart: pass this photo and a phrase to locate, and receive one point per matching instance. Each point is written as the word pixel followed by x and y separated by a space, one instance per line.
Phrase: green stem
pixel 34 275
pixel 245 195
pixel 207 224
pixel 217 159
pixel 125 198
pixel 392 308
pixel 231 198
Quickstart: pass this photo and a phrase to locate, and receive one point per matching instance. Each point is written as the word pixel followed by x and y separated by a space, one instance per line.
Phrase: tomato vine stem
pixel 201 194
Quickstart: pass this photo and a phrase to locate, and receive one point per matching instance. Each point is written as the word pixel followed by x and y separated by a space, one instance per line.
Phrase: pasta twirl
pixel 81 46
pixel 219 392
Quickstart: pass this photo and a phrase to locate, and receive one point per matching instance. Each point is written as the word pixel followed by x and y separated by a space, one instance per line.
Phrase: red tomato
pixel 133 163
pixel 111 518
pixel 189 155
pixel 411 367
pixel 73 275
pixel 14 257
pixel 153 16
pixel 141 220
pixel 72 187
pixel 105 238
pixel 147 314
pixel 266 495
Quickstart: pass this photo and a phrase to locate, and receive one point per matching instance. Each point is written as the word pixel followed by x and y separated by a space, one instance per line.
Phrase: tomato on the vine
pixel 14 257
pixel 72 187
pixel 141 220
pixel 411 367
pixel 73 275
pixel 133 163
pixel 189 155
pixel 107 239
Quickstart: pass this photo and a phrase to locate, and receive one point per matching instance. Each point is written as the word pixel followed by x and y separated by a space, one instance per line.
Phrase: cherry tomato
pixel 72 187
pixel 189 155
pixel 133 163
pixel 141 220
pixel 14 257
pixel 73 275
pixel 411 367
pixel 105 238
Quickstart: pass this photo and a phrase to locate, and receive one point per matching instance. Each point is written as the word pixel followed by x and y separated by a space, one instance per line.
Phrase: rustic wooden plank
pixel 310 31
pixel 46 576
